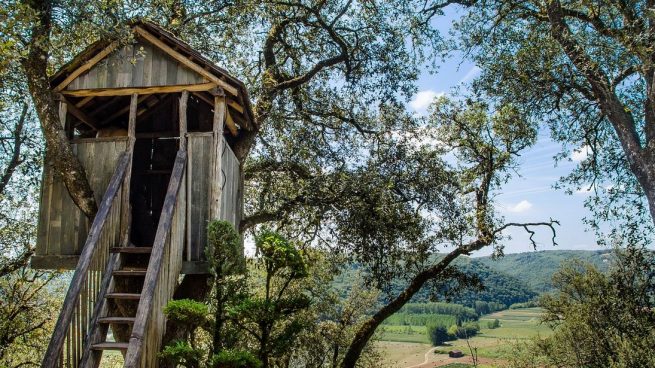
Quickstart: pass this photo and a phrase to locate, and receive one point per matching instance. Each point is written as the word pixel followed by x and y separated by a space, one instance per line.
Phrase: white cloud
pixel 580 154
pixel 423 99
pixel 472 73
pixel 522 206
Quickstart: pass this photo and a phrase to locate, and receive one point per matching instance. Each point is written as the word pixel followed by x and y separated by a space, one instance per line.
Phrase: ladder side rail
pixel 67 344
pixel 162 274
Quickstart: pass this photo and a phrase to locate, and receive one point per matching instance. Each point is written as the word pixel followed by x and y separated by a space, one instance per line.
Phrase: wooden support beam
pixel 131 125
pixel 123 110
pixel 201 96
pixel 126 213
pixel 86 66
pixel 231 126
pixel 84 101
pixel 183 106
pixel 140 90
pixel 233 104
pixel 184 60
pixel 216 174
pixel 81 115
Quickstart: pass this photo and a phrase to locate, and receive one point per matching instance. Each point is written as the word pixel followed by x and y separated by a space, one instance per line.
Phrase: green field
pixel 516 325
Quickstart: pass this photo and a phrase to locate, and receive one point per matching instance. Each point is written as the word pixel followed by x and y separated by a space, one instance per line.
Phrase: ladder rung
pixel 123 296
pixel 131 250
pixel 128 320
pixel 140 272
pixel 110 346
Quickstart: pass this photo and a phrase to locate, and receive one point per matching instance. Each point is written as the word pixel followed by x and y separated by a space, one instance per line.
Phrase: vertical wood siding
pixel 62 227
pixel 198 188
pixel 136 65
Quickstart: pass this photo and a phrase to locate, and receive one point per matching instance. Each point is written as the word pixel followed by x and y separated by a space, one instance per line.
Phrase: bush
pixel 493 324
pixel 235 359
pixel 180 353
pixel 467 330
pixel 187 312
pixel 438 334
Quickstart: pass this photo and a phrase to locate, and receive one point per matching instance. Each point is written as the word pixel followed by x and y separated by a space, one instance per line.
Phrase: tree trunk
pixel 59 151
pixel 365 332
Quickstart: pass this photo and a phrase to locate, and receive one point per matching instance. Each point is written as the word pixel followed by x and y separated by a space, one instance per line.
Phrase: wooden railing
pixel 162 274
pixel 86 293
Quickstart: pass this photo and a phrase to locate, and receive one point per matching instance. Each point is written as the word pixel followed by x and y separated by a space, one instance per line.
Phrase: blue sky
pixel 531 196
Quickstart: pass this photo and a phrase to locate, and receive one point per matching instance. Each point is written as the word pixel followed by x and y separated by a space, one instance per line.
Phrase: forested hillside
pixel 536 269
pixel 515 278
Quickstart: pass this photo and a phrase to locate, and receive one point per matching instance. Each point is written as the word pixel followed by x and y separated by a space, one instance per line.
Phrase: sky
pixel 530 196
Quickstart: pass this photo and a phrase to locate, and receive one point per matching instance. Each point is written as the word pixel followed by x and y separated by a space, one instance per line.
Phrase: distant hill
pixel 515 278
pixel 499 286
pixel 537 268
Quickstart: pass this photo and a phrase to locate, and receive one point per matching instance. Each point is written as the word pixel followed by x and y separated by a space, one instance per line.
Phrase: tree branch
pixel 15 160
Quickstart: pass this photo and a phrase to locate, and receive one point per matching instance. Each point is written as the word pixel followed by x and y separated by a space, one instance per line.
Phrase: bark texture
pixel 58 151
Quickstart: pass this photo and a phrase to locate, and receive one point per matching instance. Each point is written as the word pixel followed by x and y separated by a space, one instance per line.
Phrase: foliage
pixel 226 265
pixel 273 310
pixel 536 269
pixel 461 312
pixel 409 319
pixel 466 330
pixel 602 320
pixel 530 304
pixel 186 311
pixel 438 334
pixel 181 353
pixel 585 70
pixel 235 359
pixel 493 324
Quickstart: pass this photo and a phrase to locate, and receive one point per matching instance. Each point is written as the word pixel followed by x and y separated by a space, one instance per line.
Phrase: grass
pixel 516 325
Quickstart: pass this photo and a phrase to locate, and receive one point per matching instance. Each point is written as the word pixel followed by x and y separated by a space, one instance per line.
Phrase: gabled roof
pixel 100 47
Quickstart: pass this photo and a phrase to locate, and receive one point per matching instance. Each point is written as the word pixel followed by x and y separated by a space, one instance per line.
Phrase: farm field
pixel 401 345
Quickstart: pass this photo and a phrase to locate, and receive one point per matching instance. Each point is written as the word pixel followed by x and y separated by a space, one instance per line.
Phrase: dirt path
pixel 428 355
pixel 440 360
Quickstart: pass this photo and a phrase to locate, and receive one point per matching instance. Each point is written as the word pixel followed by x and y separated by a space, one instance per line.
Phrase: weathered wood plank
pixel 184 98
pixel 86 66
pixel 184 60
pixel 140 90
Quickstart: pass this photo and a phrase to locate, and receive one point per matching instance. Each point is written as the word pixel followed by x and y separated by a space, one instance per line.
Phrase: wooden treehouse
pixel 152 122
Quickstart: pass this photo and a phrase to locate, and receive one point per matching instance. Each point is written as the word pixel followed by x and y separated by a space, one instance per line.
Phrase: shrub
pixel 187 312
pixel 493 324
pixel 180 353
pixel 467 330
pixel 235 359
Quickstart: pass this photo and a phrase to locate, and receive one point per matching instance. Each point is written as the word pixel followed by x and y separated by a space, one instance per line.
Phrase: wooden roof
pixel 162 39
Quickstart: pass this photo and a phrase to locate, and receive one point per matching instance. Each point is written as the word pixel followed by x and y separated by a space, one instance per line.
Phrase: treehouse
pixel 153 123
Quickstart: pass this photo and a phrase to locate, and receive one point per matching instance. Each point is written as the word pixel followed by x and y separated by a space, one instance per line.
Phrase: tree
pixel 600 319
pixel 438 334
pixel 226 263
pixel 585 68
pixel 28 299
pixel 485 146
pixel 271 313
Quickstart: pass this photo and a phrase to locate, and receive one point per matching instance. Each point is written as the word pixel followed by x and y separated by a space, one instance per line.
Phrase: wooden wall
pixel 62 228
pixel 136 65
pixel 198 176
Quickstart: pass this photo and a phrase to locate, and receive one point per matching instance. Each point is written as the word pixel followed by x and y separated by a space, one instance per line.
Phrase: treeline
pixel 460 312
pixel 411 319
